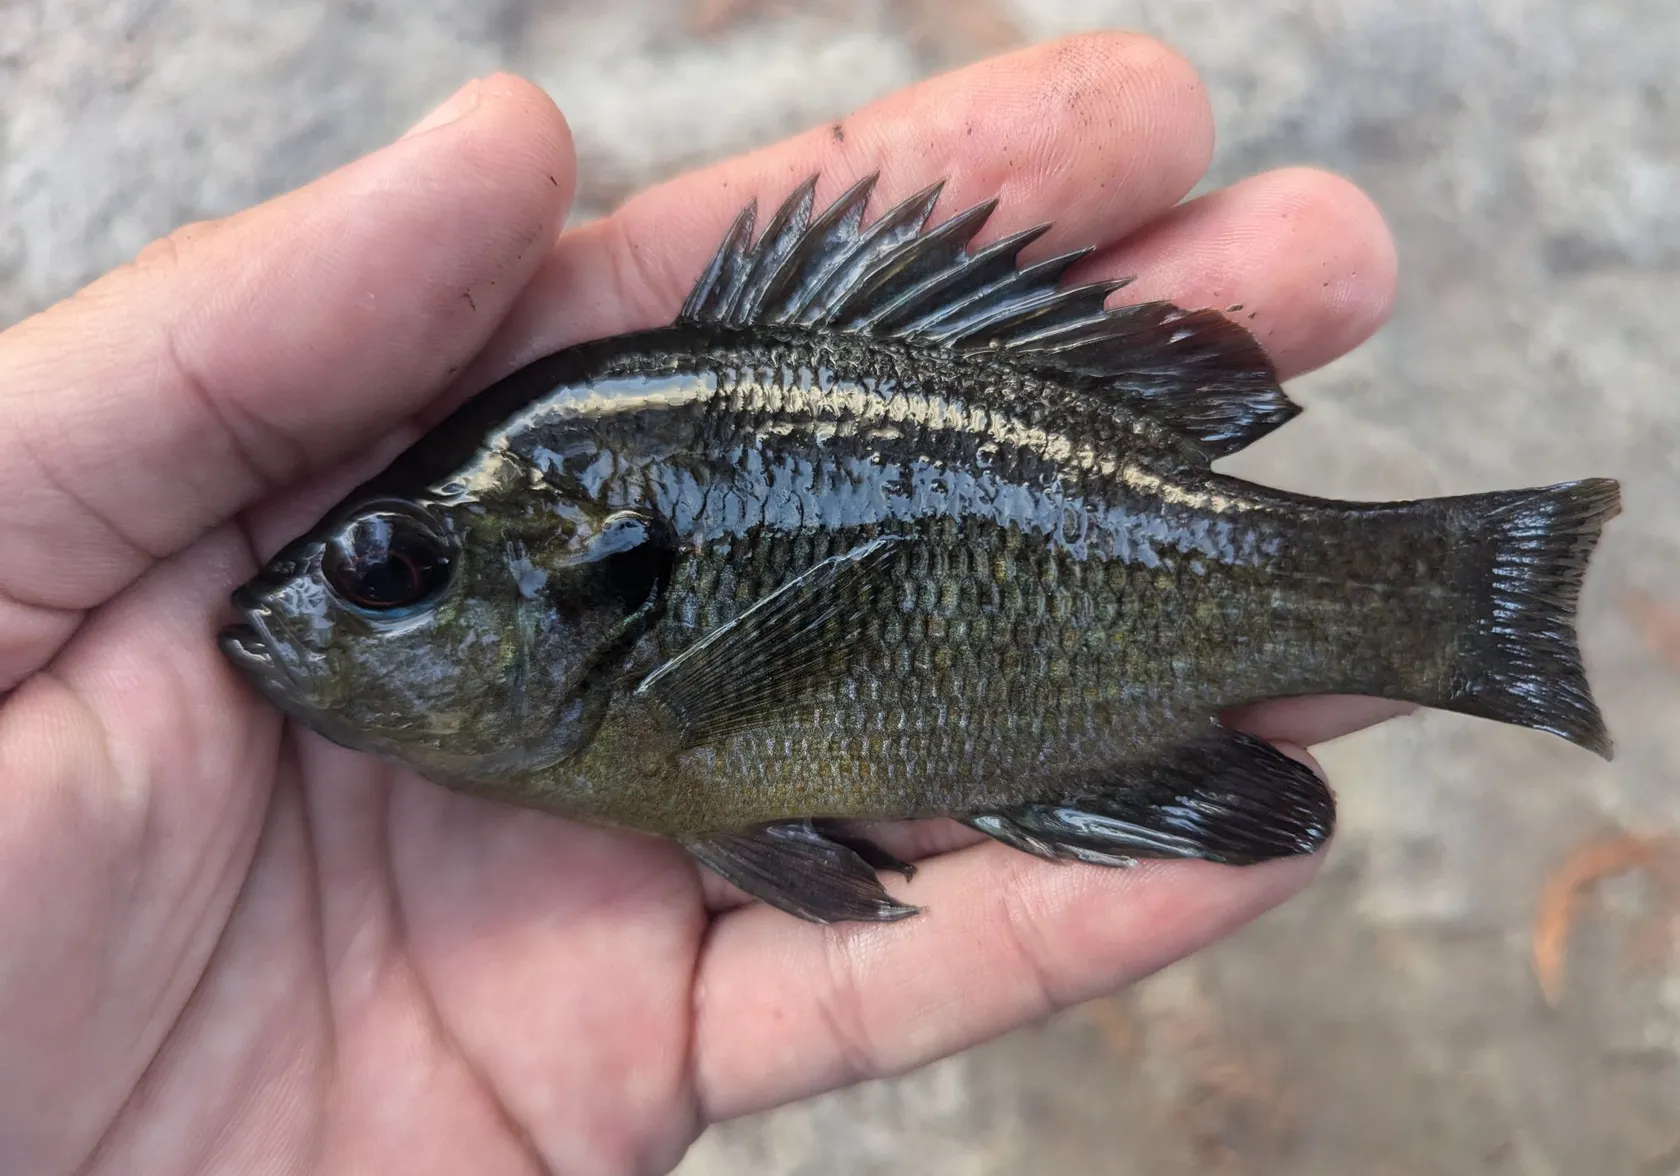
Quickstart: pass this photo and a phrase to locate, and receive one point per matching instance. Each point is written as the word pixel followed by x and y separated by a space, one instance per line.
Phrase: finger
pixel 136 781
pixel 1097 133
pixel 234 356
pixel 787 1009
pixel 1306 722
pixel 1302 256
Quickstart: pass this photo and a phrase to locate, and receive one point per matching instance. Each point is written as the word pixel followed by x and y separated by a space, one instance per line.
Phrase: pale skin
pixel 230 946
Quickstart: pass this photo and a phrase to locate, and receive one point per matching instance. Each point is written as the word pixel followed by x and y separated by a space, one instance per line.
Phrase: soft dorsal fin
pixel 1195 371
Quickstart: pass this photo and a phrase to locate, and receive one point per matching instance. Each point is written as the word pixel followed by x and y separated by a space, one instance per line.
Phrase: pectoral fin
pixel 1227 797
pixel 795 868
pixel 768 662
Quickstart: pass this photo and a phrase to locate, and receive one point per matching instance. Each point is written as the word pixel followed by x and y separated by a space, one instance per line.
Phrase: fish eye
pixel 384 560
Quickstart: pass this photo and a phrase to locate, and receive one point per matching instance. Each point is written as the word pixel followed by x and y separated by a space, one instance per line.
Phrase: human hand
pixel 232 946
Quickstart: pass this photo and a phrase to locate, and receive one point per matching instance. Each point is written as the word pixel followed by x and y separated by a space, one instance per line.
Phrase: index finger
pixel 785 1009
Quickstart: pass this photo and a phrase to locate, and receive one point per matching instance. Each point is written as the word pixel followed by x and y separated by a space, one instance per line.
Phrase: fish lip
pixel 245 647
pixel 252 646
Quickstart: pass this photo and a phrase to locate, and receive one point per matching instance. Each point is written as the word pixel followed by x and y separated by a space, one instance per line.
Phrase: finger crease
pixel 1026 943
pixel 633 280
pixel 45 615
pixel 43 469
pixel 842 1011
pixel 510 1122
pixel 227 414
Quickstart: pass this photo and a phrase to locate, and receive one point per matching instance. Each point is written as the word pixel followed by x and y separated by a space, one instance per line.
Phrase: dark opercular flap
pixel 794 868
pixel 1195 371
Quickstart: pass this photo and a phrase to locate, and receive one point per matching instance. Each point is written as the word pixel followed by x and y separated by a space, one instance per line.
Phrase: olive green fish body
pixel 1062 602
pixel 883 528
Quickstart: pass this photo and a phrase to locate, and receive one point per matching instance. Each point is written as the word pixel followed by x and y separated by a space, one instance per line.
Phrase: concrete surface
pixel 1528 155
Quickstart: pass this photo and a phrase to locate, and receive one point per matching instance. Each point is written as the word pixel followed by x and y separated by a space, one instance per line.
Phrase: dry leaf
pixel 1658 623
pixel 959 28
pixel 1586 865
pixel 1235 1103
pixel 1116 1024
pixel 708 18
pixel 952 29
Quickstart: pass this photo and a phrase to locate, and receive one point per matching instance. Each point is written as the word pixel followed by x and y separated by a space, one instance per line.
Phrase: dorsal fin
pixel 1195 371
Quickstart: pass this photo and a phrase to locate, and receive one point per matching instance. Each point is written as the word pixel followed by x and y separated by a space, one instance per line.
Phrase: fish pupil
pixel 385 561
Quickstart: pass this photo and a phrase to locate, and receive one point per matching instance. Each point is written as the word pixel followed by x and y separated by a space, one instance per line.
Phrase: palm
pixel 230 944
pixel 533 976
pixel 400 960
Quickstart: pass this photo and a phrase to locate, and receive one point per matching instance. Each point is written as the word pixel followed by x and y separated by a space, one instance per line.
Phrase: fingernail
pixel 463 101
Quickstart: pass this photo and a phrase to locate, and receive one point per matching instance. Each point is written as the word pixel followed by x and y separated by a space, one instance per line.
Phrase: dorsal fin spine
pixel 891 319
pixel 909 266
pixel 715 282
pixel 813 255
pixel 1194 371
pixel 898 224
pixel 775 247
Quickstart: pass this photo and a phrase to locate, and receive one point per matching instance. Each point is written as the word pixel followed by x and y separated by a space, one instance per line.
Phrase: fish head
pixel 473 631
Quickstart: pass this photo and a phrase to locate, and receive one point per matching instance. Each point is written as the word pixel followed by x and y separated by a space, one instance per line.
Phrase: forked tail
pixel 1488 630
pixel 1516 659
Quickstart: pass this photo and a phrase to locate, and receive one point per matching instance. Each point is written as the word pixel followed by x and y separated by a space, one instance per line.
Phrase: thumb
pixel 232 357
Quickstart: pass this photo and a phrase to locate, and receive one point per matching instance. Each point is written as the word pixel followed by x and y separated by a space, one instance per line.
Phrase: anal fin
pixel 1225 797
pixel 794 867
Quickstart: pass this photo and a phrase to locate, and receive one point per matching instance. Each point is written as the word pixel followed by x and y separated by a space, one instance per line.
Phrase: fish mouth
pixel 245 648
pixel 268 660
pixel 251 645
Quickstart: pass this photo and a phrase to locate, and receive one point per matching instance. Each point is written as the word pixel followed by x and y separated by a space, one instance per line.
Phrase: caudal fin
pixel 1517 657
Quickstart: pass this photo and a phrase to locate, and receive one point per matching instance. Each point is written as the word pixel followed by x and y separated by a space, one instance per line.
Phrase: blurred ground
pixel 1527 153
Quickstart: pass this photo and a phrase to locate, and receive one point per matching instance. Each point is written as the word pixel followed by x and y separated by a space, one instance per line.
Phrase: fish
pixel 886 525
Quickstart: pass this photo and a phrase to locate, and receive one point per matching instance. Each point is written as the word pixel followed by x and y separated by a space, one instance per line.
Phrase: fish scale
pixel 1083 694
pixel 880 527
